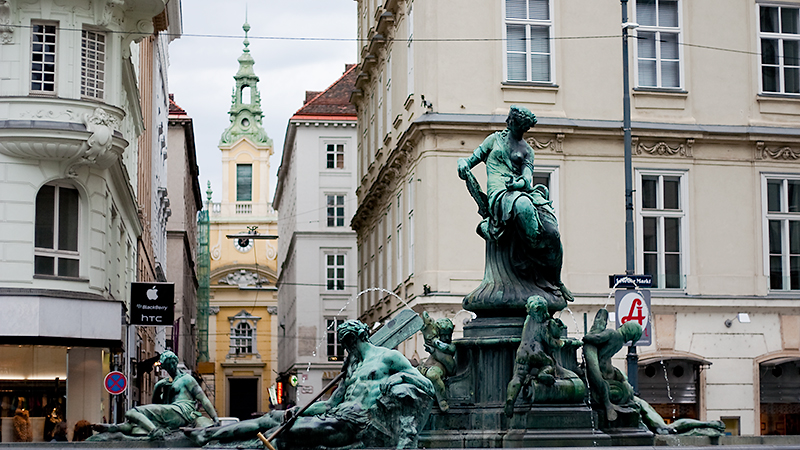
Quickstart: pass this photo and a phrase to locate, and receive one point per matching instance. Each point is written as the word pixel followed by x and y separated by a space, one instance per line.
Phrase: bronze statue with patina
pixel 174 406
pixel 438 341
pixel 524 253
pixel 383 401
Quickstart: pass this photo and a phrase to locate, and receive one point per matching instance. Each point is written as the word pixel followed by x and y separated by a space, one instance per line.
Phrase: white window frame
pixel 93 69
pixel 55 252
pixel 659 212
pixel 389 118
pixel 335 279
pixel 784 216
pixel 399 241
pixel 44 54
pixel 332 332
pixel 380 113
pixel 238 341
pixel 553 173
pixel 782 38
pixel 528 23
pixel 336 207
pixel 389 250
pixel 658 30
pixel 336 149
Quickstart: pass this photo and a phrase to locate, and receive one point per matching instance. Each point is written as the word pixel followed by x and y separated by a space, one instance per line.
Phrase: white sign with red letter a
pixel 634 305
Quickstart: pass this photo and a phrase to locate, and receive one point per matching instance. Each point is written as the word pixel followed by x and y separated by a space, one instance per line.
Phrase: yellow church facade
pixel 243 298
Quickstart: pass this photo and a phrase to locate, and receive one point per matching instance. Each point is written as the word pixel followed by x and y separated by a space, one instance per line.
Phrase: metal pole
pixel 633 358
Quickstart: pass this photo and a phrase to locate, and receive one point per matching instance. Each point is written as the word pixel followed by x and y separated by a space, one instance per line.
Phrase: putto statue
pixel 383 401
pixel 173 407
pixel 523 251
pixel 441 363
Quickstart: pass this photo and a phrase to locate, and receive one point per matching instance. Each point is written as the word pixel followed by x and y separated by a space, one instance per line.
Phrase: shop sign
pixel 152 304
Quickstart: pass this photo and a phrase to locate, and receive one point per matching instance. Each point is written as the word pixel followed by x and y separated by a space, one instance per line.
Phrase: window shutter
pixel 539 10
pixel 668 13
pixel 646 12
pixel 515 9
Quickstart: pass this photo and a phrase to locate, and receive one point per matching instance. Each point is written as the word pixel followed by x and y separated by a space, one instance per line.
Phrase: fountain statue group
pixel 513 379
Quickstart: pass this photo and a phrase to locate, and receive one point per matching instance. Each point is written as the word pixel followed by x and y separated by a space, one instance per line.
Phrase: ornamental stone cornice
pixel 396 165
pixel 71 132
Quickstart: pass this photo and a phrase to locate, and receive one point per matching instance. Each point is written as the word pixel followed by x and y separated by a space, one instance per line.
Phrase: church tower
pixel 245 146
pixel 243 297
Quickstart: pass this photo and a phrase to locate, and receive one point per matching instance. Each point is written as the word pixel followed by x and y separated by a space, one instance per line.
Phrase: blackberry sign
pixel 152 304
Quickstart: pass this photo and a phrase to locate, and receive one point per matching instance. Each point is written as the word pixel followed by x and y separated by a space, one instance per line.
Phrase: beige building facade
pixel 715 112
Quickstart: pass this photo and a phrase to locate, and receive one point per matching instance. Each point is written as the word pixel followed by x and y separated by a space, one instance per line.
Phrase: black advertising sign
pixel 152 303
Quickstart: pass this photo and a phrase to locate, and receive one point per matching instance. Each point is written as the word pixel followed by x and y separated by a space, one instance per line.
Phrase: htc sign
pixel 152 303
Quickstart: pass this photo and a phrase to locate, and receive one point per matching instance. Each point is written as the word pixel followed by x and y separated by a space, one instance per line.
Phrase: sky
pixel 201 69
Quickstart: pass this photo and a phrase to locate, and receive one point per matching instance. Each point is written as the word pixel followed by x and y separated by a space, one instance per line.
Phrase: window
pixel 657 43
pixel 380 113
pixel 783 231
pixel 334 272
pixel 242 339
pixel 389 118
pixel 335 348
pixel 335 210
pixel 56 234
pixel 528 31
pixel 661 234
pixel 334 156
pixel 43 58
pixel 779 39
pixel 243 334
pixel 399 240
pixel 93 64
pixel 244 182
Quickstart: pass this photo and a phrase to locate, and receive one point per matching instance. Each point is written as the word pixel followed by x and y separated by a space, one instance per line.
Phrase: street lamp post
pixel 633 358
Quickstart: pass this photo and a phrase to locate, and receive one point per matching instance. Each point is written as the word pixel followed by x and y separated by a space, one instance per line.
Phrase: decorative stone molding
pixel 555 144
pixel 243 278
pixel 6 30
pixel 272 310
pixel 661 148
pixel 785 153
pixel 272 254
pixel 382 186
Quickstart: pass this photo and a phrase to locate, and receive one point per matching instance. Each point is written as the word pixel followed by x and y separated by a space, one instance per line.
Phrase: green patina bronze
pixel 174 406
pixel 382 401
pixel 441 363
pixel 608 385
pixel 535 364
pixel 523 245
pixel 245 116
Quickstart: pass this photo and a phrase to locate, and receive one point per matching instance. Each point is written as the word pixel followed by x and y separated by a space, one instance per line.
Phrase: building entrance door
pixel 243 397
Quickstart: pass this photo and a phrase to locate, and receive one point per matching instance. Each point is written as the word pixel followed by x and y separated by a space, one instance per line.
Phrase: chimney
pixel 310 95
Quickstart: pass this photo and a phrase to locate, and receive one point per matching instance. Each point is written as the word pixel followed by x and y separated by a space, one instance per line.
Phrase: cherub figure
pixel 534 362
pixel 441 363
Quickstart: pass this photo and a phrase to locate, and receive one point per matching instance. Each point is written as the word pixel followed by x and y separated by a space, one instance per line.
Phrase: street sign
pixel 115 382
pixel 634 305
pixel 152 303
pixel 630 281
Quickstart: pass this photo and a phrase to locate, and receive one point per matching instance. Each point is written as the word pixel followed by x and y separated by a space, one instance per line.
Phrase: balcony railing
pixel 244 208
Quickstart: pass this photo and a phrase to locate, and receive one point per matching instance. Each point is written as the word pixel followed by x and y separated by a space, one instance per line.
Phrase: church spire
pixel 245 109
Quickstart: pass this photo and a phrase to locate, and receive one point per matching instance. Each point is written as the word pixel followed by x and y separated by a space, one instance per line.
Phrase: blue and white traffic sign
pixel 115 382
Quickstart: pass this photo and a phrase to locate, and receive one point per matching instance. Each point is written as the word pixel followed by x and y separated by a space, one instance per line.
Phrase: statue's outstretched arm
pixel 199 395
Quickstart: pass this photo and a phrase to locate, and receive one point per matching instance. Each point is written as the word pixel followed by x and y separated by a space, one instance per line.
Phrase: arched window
pixel 243 334
pixel 242 339
pixel 247 95
pixel 56 233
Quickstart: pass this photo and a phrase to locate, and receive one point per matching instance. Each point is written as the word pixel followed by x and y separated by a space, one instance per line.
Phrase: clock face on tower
pixel 243 245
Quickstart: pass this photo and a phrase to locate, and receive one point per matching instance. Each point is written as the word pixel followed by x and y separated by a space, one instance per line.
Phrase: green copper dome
pixel 245 110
